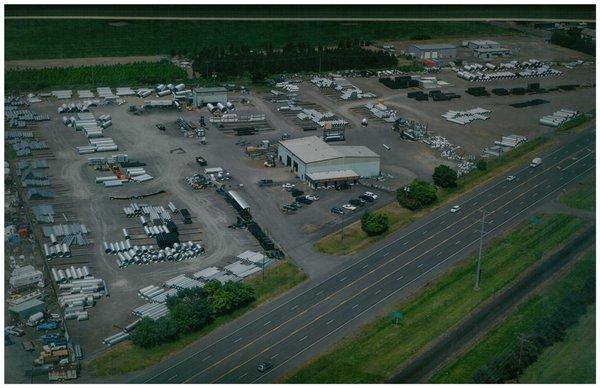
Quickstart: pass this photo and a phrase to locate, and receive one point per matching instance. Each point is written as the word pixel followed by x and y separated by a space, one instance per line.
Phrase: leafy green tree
pixel 481 164
pixel 375 224
pixel 444 176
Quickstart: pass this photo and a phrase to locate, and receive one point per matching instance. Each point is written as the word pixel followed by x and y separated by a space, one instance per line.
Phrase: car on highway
pixel 337 210
pixel 455 208
pixel 510 178
pixel 264 366
pixel 347 206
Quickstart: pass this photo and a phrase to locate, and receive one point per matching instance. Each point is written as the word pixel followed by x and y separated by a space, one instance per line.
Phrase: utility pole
pixel 342 215
pixel 478 272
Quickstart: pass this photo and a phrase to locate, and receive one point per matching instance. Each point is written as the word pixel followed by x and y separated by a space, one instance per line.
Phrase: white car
pixel 288 185
pixel 372 195
pixel 510 178
pixel 349 207
pixel 312 197
pixel 455 208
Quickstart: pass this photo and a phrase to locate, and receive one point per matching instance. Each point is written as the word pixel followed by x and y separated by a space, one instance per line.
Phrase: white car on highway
pixel 510 178
pixel 349 207
pixel 455 208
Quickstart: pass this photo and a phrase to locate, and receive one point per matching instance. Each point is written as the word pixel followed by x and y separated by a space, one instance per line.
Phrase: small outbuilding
pixel 433 51
pixel 28 308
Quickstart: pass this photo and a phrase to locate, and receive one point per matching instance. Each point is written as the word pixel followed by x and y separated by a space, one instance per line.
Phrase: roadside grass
pixel 126 357
pixel 572 361
pixel 576 122
pixel 376 352
pixel 354 237
pixel 582 196
pixel 520 322
pixel 39 39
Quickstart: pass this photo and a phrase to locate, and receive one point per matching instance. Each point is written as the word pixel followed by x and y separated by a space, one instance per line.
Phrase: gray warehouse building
pixel 321 164
pixel 433 51
pixel 488 49
pixel 203 96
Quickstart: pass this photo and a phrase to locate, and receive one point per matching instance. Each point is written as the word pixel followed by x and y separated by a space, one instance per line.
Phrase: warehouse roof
pixel 490 50
pixel 311 149
pixel 484 42
pixel 25 306
pixel 356 152
pixel 434 46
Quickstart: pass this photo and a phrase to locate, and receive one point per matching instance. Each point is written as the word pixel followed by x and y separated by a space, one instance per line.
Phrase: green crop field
pixel 373 354
pixel 45 39
pixel 581 196
pixel 521 321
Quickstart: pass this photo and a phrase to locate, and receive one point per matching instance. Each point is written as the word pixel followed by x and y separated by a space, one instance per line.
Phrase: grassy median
pixel 582 196
pixel 126 357
pixel 521 322
pixel 380 348
pixel 355 239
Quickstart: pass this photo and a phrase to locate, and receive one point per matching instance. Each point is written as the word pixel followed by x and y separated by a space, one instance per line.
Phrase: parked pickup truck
pixel 535 162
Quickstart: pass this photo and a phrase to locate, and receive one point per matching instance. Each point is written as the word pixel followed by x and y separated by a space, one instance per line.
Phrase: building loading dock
pixel 433 51
pixel 319 163
pixel 203 96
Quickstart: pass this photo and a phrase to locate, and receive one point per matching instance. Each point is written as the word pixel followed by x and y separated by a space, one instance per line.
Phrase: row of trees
pixel 509 365
pixel 572 39
pixel 191 310
pixel 131 74
pixel 238 61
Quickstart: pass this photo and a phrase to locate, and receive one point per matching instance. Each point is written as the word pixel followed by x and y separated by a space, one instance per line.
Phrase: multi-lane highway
pixel 292 331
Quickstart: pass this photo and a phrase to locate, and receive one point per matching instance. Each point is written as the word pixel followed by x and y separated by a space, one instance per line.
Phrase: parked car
pixel 288 186
pixel 201 161
pixel 264 366
pixel 337 210
pixel 356 202
pixel 372 195
pixel 366 198
pixel 312 197
pixel 455 208
pixel 347 206
pixel 303 199
pixel 297 193
pixel 343 186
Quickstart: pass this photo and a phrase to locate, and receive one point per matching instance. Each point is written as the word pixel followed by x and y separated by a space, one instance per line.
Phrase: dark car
pixel 303 199
pixel 343 186
pixel 337 210
pixel 264 366
pixel 366 198
pixel 185 214
pixel 356 202
pixel 201 161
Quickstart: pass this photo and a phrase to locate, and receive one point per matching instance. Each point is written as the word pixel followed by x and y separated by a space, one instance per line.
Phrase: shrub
pixel 444 176
pixel 375 224
pixel 418 195
pixel 481 164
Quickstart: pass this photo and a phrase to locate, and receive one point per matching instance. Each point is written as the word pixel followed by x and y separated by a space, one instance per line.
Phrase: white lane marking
pixel 377 292
pixel 320 292
pixel 507 211
pixel 294 308
pixel 237 340
pixel 424 232
pixel 267 323
pixel 405 243
pixel 439 253
pixel 475 202
pixel 420 265
pixel 172 377
pixel 272 357
pixel 329 321
pixel 456 243
pixel 303 338
pixel 244 375
pixel 400 278
pixel 355 306
pixel 384 255
pixel 342 279
pixel 206 358
pixel 365 266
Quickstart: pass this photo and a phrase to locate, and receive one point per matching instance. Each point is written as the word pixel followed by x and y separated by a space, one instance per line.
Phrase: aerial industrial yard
pixel 125 203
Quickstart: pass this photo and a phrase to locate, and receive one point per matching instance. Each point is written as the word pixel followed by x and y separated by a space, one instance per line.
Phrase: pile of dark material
pixel 567 87
pixel 245 131
pixel 400 82
pixel 529 103
pixel 518 91
pixel 419 96
pixel 500 92
pixel 437 95
pixel 477 91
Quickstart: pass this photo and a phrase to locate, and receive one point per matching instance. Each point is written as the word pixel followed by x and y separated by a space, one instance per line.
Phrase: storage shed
pixel 433 51
pixel 203 96
pixel 26 309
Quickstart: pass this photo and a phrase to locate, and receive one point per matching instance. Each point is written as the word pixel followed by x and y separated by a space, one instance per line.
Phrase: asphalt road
pixel 291 332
